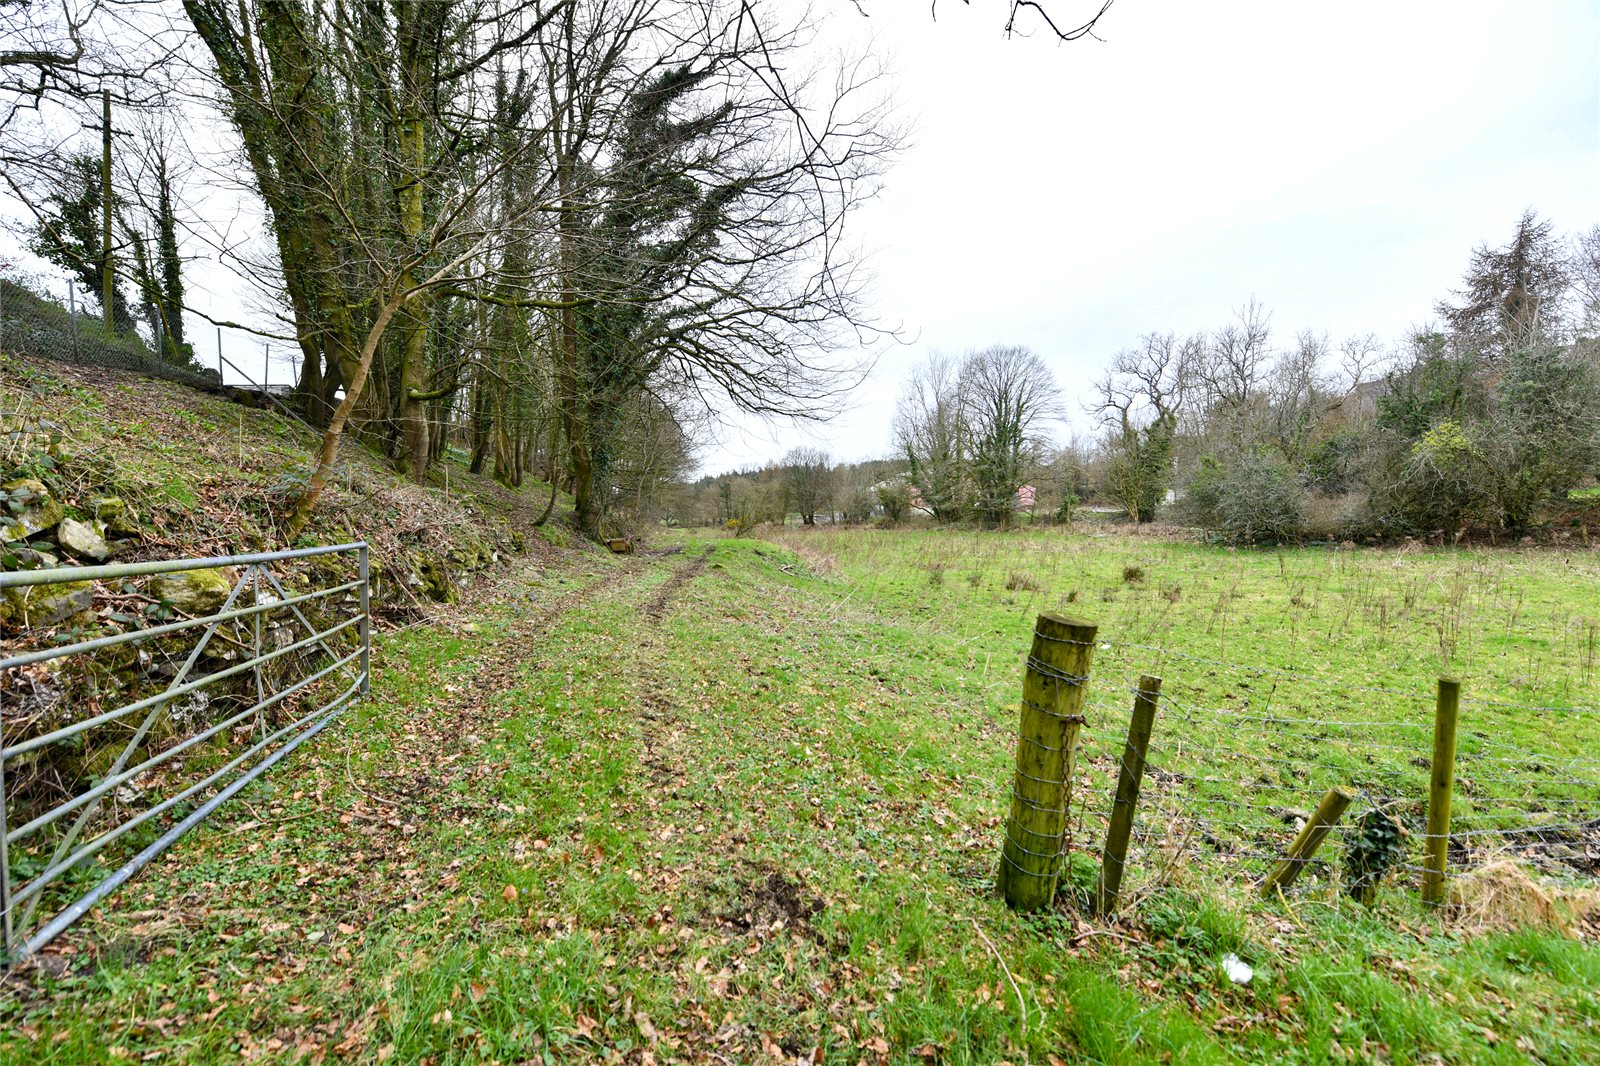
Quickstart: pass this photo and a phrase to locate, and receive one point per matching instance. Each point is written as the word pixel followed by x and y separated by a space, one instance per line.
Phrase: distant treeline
pixel 1486 420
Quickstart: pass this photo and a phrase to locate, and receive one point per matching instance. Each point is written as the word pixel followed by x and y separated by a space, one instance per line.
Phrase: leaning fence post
pixel 1309 838
pixel 1114 860
pixel 1441 786
pixel 1052 704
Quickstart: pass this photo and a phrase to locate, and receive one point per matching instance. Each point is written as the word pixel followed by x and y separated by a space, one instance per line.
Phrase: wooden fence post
pixel 1114 859
pixel 1310 838
pixel 1052 705
pixel 1441 786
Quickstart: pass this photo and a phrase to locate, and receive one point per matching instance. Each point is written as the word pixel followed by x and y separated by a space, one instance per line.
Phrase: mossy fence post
pixel 1052 710
pixel 1441 786
pixel 1310 838
pixel 1114 859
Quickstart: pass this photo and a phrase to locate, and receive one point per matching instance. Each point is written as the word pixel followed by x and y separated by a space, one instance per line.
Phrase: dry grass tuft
pixel 820 563
pixel 1501 897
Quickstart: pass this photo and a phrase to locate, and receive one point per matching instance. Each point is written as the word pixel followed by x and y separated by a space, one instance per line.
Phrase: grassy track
pixel 745 807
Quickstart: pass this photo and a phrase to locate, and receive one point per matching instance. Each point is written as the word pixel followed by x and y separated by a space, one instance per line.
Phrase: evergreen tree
pixel 68 233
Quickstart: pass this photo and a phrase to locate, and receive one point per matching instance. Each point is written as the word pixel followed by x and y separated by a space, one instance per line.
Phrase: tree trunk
pixel 573 402
pixel 329 449
pixel 414 323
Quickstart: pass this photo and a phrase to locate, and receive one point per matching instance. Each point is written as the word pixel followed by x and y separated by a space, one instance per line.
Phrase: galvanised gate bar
pixel 39 848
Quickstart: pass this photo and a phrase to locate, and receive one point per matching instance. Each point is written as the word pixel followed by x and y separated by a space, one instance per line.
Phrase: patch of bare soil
pixel 769 900
pixel 681 577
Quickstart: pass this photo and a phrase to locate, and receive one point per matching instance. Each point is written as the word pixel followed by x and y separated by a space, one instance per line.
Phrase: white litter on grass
pixel 1238 971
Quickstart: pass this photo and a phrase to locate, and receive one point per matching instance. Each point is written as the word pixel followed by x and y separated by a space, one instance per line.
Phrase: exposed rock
pixel 470 553
pixel 27 508
pixel 82 540
pixel 435 578
pixel 194 592
pixel 24 557
pixel 118 519
pixel 46 605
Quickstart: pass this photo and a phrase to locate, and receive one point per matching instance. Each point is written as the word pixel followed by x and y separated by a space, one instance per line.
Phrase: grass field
pixel 744 803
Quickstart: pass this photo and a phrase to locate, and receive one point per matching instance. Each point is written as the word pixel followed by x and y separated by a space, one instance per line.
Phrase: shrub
pixel 1253 498
pixel 895 501
pixel 1333 464
pixel 1341 518
pixel 1021 582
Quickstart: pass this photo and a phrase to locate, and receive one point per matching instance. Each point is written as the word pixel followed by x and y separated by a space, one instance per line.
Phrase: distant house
pixel 1027 496
pixel 895 482
pixel 1361 401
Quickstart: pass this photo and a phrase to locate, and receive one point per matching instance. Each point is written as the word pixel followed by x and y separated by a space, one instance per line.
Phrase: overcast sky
pixel 1338 162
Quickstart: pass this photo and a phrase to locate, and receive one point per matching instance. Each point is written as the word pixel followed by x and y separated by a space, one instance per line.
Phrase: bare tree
pixel 1058 27
pixel 1230 367
pixel 1139 402
pixel 932 432
pixel 704 187
pixel 58 52
pixel 808 482
pixel 1299 390
pixel 1585 271
pixel 1010 395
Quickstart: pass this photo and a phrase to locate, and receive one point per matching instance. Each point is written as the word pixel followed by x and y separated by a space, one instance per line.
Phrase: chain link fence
pixel 50 317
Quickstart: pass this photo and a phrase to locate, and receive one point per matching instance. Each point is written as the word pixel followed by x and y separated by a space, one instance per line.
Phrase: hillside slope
pixel 197 475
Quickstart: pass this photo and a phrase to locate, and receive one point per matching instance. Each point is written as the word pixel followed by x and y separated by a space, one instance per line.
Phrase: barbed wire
pixel 1228 785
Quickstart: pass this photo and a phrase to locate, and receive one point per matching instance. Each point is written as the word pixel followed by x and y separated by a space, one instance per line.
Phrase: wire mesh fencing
pixel 50 317
pixel 1240 757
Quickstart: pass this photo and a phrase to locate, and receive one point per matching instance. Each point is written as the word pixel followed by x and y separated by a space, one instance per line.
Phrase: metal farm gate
pixel 281 665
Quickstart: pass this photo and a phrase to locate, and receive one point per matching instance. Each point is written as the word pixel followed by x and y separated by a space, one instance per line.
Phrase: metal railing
pixel 151 763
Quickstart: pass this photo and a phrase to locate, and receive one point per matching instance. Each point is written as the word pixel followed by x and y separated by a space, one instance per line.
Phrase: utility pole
pixel 108 278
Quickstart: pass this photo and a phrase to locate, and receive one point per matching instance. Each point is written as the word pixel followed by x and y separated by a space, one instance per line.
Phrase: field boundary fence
pixel 1218 768
pixel 210 700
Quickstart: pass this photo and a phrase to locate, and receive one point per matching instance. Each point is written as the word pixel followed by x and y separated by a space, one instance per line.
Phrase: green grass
pixel 755 811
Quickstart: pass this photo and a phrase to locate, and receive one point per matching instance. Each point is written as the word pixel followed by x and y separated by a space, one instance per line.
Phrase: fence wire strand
pixel 1227 783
